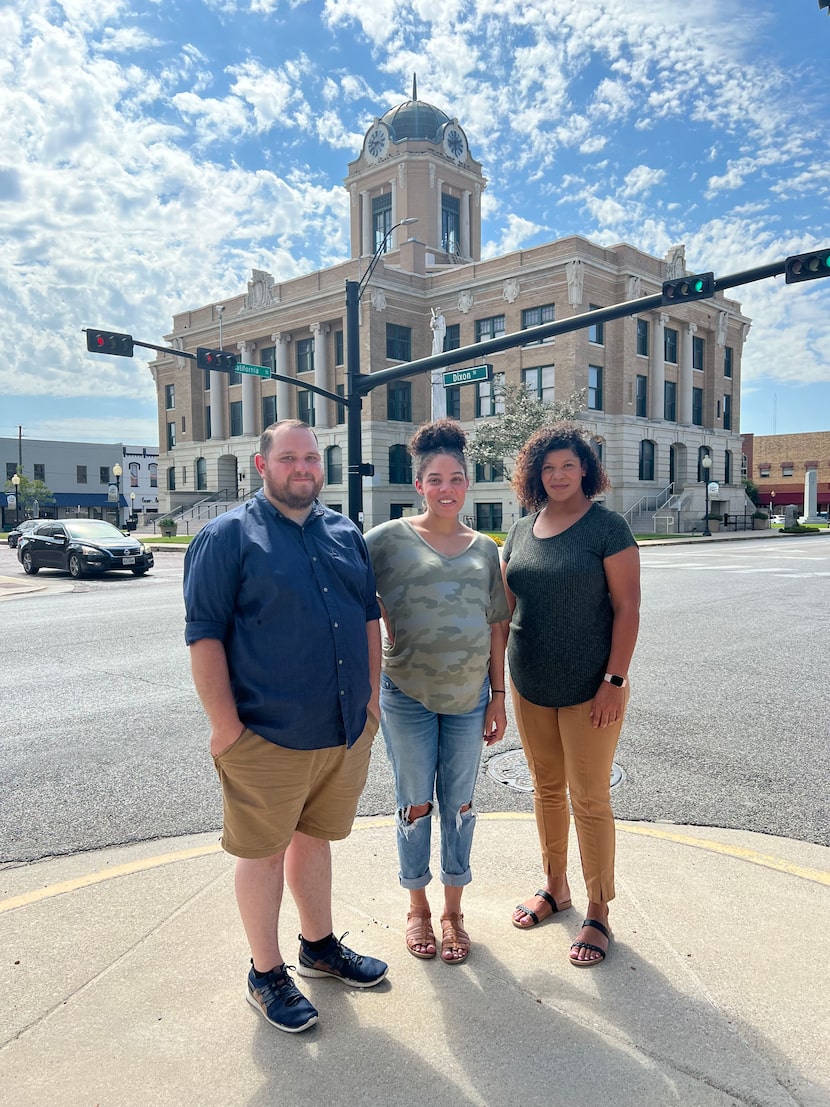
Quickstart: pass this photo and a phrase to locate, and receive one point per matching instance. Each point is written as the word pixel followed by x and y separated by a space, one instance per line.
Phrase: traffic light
pixel 807 267
pixel 109 342
pixel 218 360
pixel 700 286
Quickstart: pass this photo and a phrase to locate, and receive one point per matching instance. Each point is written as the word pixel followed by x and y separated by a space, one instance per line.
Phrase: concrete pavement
pixel 123 979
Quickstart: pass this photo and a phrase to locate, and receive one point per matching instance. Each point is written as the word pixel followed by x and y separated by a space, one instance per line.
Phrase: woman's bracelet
pixel 497 692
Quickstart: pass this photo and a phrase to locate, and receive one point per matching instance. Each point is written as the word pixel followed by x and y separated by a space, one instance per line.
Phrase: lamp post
pixel 356 468
pixel 116 472
pixel 706 465
pixel 132 510
pixel 16 483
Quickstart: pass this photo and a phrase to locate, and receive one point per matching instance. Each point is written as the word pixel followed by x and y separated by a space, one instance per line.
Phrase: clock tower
pixel 416 163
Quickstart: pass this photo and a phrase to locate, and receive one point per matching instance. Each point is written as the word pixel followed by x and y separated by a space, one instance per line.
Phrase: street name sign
pixel 253 370
pixel 468 376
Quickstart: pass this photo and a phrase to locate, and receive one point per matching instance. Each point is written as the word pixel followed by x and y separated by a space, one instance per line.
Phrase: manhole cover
pixel 511 769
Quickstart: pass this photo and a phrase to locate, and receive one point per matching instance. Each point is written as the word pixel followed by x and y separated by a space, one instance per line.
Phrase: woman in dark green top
pixel 572 575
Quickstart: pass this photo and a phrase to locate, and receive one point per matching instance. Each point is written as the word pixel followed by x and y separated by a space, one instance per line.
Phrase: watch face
pixel 376 142
pixel 455 142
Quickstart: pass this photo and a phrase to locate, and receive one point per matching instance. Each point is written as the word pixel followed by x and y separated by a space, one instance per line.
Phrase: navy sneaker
pixel 341 963
pixel 280 1001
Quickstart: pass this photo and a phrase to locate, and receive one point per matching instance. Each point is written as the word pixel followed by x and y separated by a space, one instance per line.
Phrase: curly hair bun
pixel 440 435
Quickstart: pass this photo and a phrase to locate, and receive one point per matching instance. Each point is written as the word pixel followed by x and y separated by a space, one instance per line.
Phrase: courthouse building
pixel 663 387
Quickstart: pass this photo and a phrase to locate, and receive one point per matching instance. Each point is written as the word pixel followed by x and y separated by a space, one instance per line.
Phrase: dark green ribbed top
pixel 560 633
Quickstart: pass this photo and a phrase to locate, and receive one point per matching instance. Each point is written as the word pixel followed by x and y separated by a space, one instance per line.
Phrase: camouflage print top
pixel 439 610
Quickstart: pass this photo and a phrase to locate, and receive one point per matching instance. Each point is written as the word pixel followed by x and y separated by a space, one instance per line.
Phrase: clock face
pixel 376 143
pixel 454 142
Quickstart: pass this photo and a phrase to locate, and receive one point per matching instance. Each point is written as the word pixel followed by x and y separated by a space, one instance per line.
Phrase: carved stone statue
pixel 723 322
pixel 260 291
pixel 438 326
pixel 675 262
pixel 575 272
pixel 510 291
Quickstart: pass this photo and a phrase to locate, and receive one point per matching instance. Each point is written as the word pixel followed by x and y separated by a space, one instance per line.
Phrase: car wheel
pixel 76 569
pixel 138 572
pixel 29 565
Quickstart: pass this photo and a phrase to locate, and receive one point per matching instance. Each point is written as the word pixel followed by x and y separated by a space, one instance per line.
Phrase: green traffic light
pixel 698 285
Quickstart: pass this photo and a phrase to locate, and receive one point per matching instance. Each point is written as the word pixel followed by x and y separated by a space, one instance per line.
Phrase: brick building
pixel 778 464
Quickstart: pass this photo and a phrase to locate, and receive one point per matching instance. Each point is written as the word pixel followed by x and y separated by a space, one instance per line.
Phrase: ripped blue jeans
pixel 433 756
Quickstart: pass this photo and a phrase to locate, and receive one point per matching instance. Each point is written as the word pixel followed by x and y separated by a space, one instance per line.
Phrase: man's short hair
pixel 267 438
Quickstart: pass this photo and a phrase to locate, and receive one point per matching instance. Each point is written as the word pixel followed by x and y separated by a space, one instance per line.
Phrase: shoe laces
pixel 280 983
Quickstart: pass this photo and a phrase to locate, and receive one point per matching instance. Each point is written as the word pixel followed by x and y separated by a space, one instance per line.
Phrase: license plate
pixel 128 561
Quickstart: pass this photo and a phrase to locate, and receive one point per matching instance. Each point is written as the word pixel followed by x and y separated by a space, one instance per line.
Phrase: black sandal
pixel 588 945
pixel 555 908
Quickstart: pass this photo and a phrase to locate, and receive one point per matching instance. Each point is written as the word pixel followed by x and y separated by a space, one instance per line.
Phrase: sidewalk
pixel 123 980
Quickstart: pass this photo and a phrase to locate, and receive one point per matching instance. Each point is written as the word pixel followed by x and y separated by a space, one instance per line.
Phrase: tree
pixel 28 491
pixel 503 436
pixel 751 489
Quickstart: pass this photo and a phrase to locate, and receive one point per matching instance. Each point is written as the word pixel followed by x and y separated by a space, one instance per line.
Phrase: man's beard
pixel 295 501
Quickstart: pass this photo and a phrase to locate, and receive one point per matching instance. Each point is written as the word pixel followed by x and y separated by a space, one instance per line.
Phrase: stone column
pixel 439 196
pixel 250 420
pixel 657 367
pixel 466 201
pixel 685 383
pixel 325 415
pixel 366 231
pixel 394 187
pixel 218 422
pixel 286 394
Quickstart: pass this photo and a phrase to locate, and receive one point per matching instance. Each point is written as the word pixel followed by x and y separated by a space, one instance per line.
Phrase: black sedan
pixel 21 528
pixel 81 546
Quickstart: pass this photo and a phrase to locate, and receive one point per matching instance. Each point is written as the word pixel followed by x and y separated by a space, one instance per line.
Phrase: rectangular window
pixel 642 337
pixel 268 357
pixel 207 422
pixel 727 413
pixel 233 378
pixel 340 416
pixel 399 402
pixel 453 402
pixel 727 361
pixel 764 471
pixel 539 382
pixel 489 328
pixel 269 411
pixel 169 396
pixel 11 469
pixel 171 479
pixel 154 474
pixel 171 435
pixel 452 337
pixel 450 224
pixel 398 342
pixel 381 220
pixel 641 397
pixel 488 517
pixel 786 470
pixel 305 355
pixel 698 352
pixel 207 380
pixel 697 407
pixel 104 474
pixel 39 472
pixel 236 418
pixel 670 345
pixel 305 407
pixel 534 317
pixel 489 474
pixel 670 401
pixel 487 403
pixel 338 347
pixel 80 474
pixel 595 387
pixel 184 476
pixel 596 332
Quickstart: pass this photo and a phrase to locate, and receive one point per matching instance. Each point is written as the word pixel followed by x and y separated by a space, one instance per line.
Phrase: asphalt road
pixel 103 741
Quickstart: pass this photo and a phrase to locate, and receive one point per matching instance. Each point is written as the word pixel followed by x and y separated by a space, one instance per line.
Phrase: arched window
pixel 201 474
pixel 702 473
pixel 334 465
pixel 400 465
pixel 646 460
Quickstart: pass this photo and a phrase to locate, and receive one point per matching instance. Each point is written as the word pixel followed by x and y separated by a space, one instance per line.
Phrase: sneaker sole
pixel 280 1026
pixel 304 970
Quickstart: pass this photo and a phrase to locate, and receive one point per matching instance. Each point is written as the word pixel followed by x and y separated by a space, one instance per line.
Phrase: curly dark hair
pixel 527 476
pixel 442 436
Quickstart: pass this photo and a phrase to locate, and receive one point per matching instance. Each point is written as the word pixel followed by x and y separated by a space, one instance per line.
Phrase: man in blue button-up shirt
pixel 282 625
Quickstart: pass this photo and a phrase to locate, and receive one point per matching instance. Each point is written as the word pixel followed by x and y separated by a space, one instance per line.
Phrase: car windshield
pixel 92 530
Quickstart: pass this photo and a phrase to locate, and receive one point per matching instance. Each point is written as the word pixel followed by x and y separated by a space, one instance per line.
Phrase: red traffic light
pixel 217 360
pixel 109 342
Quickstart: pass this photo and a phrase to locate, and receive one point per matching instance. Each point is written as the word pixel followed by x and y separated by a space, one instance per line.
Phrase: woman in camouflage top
pixel 442 688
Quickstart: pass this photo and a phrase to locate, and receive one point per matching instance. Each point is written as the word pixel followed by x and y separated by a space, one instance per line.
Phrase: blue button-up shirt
pixel 290 603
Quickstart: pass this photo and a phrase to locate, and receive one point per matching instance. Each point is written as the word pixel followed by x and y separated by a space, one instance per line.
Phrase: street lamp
pixel 16 483
pixel 706 465
pixel 132 509
pixel 354 291
pixel 116 472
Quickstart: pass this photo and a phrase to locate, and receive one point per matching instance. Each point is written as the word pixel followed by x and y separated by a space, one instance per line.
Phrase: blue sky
pixel 152 154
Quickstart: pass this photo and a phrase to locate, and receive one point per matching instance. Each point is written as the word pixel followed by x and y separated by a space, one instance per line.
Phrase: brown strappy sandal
pixel 454 936
pixel 419 932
